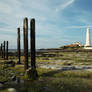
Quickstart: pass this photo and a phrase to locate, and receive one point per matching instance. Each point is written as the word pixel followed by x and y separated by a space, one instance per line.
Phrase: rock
pixel 12 90
pixel 11 63
pixel 45 89
pixel 87 67
pixel 13 78
pixel 1 85
pixel 11 73
pixel 21 74
pixel 3 82
pixel 32 73
pixel 68 68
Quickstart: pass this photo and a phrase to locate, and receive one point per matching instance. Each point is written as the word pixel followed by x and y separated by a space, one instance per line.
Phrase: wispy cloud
pixel 64 5
pixel 52 28
pixel 78 27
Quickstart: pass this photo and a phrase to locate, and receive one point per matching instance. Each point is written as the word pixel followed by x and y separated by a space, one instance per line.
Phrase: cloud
pixel 64 5
pixel 51 26
pixel 3 8
pixel 78 27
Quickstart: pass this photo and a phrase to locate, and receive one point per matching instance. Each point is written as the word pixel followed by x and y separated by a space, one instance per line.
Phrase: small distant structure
pixel 75 44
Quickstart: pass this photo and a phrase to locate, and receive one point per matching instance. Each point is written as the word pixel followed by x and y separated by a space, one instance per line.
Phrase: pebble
pixel 12 90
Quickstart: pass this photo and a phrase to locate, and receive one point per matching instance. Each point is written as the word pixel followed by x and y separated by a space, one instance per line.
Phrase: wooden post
pixel 4 49
pixel 33 59
pixel 25 28
pixel 32 72
pixel 7 50
pixel 1 50
pixel 18 45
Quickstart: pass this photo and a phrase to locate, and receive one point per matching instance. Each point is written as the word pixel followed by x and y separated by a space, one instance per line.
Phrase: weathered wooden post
pixel 4 50
pixel 7 50
pixel 32 31
pixel 1 50
pixel 25 30
pixel 32 72
pixel 18 45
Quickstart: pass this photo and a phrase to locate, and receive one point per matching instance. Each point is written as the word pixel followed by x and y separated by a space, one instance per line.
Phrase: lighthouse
pixel 88 42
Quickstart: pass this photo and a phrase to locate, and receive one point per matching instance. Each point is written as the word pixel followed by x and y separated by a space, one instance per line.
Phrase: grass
pixel 49 84
pixel 54 80
pixel 71 58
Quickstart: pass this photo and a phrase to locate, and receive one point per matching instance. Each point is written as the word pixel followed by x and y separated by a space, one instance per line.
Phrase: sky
pixel 58 22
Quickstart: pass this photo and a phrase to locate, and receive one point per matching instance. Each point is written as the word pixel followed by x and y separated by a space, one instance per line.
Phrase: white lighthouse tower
pixel 88 42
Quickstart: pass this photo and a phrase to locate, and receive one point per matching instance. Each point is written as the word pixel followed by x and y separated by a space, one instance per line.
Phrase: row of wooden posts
pixel 4 50
pixel 4 47
pixel 32 45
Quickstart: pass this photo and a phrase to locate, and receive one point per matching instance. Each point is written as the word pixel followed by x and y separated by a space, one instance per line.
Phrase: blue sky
pixel 58 22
